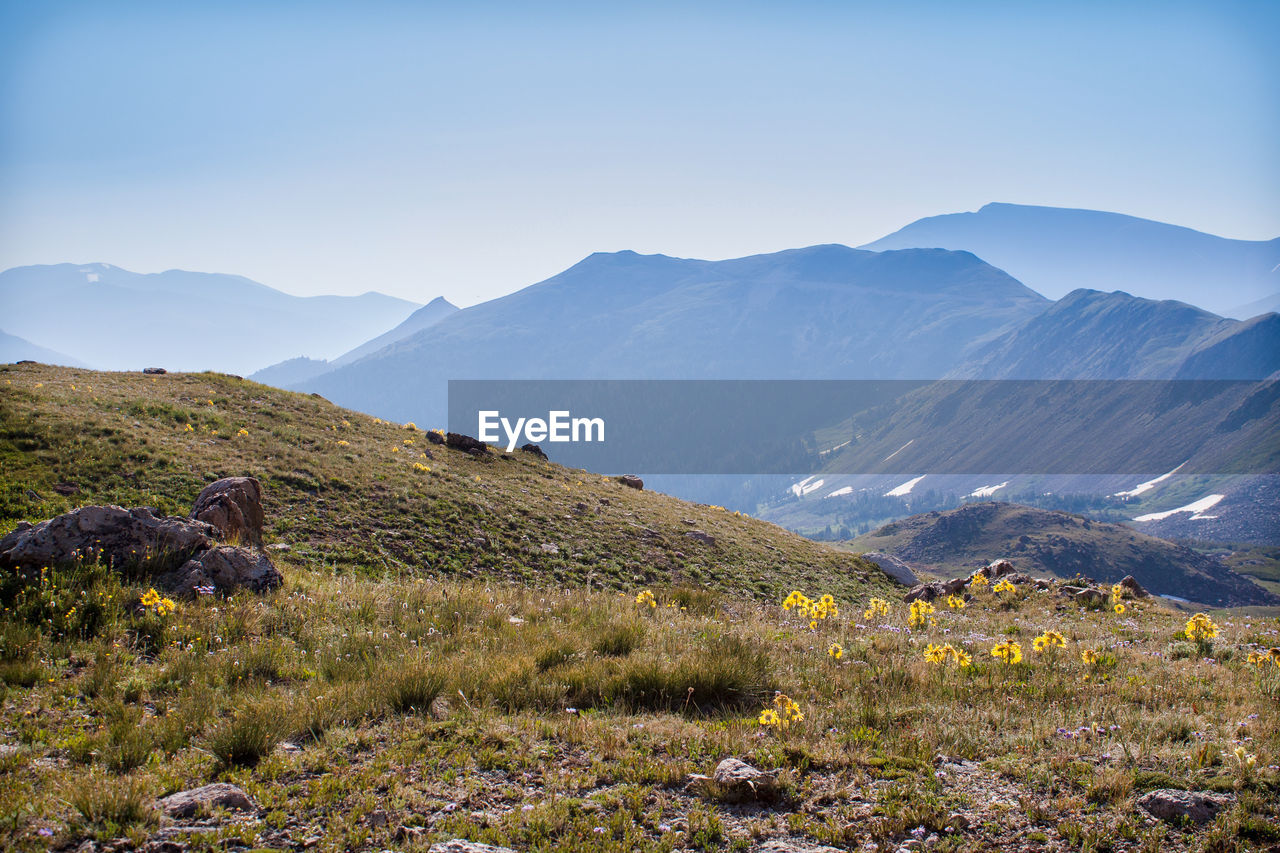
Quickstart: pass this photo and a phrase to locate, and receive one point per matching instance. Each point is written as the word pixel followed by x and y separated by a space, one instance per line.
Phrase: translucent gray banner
pixel 761 427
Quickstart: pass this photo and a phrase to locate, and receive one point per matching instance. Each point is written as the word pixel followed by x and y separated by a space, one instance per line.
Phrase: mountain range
pixel 111 318
pixel 1056 250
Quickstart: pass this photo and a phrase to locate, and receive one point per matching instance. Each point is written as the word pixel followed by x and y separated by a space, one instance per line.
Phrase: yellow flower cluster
pixel 1008 651
pixel 978 581
pixel 955 602
pixel 646 597
pixel 835 651
pixel 920 612
pixel 783 713
pixel 1003 587
pixel 342 442
pixel 941 654
pixel 1261 659
pixel 418 466
pixel 411 426
pixel 1089 656
pixel 162 606
pixel 1117 593
pixel 1200 627
pixel 878 607
pixel 824 608
pixel 1048 641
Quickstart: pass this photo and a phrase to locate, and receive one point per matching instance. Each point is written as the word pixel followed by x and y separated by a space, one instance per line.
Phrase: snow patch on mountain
pixel 905 488
pixel 1196 507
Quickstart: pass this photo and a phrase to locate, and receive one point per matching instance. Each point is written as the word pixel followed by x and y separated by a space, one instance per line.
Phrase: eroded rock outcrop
pixel 234 506
pixel 179 555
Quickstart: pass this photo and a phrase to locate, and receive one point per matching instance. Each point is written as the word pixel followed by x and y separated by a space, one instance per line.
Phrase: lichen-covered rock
pixel 234 506
pixel 734 781
pixel 219 795
pixel 118 537
pixel 923 592
pixel 1131 585
pixel 1173 805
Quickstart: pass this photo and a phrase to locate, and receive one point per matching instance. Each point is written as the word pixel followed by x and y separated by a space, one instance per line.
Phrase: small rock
pixel 1130 584
pixel 701 536
pixel 218 795
pixel 458 845
pixel 1089 595
pixel 378 818
pixel 279 546
pixel 549 548
pixel 434 437
pixel 786 845
pixel 466 443
pixel 534 449
pixel 957 822
pixel 735 781
pixel 154 371
pixel 923 592
pixel 1172 805
pixel 632 481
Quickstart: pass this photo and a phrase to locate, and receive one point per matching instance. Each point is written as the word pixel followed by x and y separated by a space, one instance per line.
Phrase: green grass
pixel 442 696
pixel 341 490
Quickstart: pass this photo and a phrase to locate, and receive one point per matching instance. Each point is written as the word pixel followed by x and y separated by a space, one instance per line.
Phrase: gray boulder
pixel 234 506
pixel 119 537
pixel 893 567
pixel 220 795
pixel 1173 805
pixel 226 568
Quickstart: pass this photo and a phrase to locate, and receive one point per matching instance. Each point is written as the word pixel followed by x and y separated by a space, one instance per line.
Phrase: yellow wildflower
pixel 835 651
pixel 919 616
pixel 1003 587
pixel 955 602
pixel 877 607
pixel 646 597
pixel 1008 651
pixel 1118 607
pixel 978 580
pixel 1201 626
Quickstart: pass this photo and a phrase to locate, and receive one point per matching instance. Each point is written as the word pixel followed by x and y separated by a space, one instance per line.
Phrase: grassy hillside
pixel 381 700
pixel 1058 544
pixel 349 493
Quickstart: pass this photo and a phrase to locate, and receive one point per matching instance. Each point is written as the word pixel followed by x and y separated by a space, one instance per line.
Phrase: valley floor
pixel 368 714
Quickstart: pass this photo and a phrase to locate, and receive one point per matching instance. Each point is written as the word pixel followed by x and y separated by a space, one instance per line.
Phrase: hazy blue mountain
pixel 1058 250
pixel 291 371
pixel 820 312
pixel 428 315
pixel 1266 305
pixel 1092 335
pixel 115 319
pixel 295 371
pixel 13 348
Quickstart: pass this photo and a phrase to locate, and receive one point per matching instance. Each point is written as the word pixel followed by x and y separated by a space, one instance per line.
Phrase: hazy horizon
pixel 426 150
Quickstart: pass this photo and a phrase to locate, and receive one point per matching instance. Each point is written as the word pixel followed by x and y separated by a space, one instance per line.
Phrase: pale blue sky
pixel 468 149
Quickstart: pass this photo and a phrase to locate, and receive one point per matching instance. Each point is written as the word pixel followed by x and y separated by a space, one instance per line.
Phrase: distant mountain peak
pixel 1055 250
